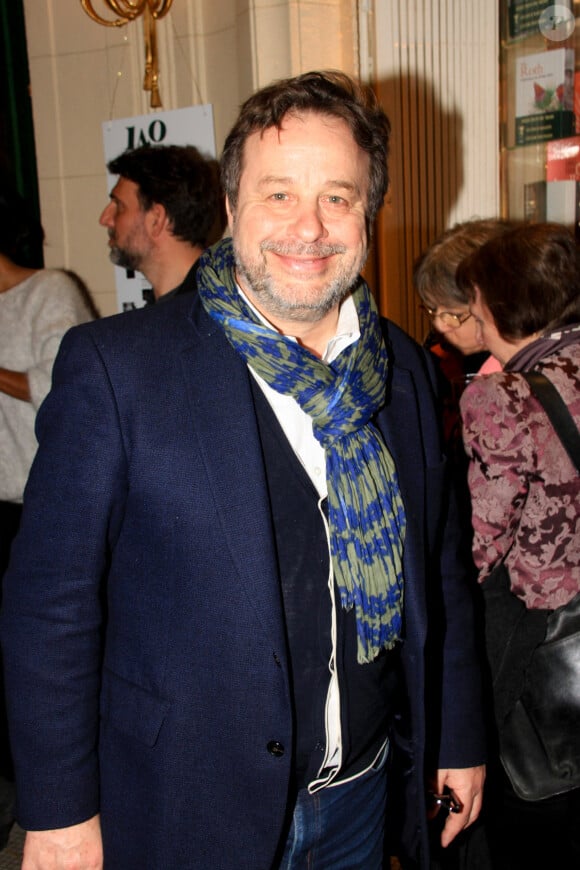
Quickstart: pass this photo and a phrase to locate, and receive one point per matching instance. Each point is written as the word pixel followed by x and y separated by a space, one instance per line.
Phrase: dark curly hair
pixel 180 179
pixel 327 93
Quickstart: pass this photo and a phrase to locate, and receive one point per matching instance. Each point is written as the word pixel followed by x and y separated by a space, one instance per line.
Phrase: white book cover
pixel 545 82
pixel 561 203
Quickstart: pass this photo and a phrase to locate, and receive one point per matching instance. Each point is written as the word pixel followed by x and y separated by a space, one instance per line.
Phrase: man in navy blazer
pixel 215 623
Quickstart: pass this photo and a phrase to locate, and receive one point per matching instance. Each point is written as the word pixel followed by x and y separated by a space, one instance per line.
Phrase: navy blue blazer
pixel 142 625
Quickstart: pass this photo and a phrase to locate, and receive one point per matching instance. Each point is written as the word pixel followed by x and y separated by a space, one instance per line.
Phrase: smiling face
pixel 126 222
pixel 299 227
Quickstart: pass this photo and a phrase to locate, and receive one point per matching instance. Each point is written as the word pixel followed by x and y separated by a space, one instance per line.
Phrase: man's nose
pixel 308 223
pixel 106 218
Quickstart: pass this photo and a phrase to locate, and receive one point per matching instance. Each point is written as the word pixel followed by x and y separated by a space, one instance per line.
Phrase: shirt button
pixel 318 471
pixel 276 749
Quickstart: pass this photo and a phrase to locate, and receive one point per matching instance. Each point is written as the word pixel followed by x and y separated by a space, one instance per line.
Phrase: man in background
pixel 161 212
pixel 209 643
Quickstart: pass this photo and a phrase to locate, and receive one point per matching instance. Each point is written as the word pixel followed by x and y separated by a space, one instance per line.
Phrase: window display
pixel 540 110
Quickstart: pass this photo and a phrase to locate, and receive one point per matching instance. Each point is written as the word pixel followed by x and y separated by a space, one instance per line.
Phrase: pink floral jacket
pixel 525 490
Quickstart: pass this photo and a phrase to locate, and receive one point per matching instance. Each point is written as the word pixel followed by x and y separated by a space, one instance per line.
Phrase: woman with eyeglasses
pixel 453 337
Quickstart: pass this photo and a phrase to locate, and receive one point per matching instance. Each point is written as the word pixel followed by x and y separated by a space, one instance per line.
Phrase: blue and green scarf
pixel 366 515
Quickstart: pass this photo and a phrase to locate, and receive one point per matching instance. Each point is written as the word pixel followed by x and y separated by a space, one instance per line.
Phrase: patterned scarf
pixel 544 346
pixel 365 510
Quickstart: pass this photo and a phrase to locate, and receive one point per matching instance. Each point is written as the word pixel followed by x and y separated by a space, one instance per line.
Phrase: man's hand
pixel 78 847
pixel 467 784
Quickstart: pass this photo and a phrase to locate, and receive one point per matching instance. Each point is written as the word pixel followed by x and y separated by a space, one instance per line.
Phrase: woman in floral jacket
pixel 524 288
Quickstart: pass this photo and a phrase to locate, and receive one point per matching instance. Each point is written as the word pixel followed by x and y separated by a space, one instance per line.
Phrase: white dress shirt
pixel 297 427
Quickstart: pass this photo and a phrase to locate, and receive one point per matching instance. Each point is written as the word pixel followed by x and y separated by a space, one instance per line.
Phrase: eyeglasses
pixel 447 318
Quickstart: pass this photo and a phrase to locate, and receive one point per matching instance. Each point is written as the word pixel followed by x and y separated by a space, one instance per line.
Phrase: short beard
pixel 261 283
pixel 125 259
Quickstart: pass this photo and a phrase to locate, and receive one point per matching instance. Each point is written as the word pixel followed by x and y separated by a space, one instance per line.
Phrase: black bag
pixel 540 737
pixel 537 682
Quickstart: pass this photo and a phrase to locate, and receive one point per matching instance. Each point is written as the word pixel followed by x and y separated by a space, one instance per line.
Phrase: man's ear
pixel 230 214
pixel 158 220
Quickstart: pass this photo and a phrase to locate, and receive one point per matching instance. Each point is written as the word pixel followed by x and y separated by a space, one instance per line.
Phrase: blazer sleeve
pixel 462 742
pixel 454 681
pixel 52 608
pixel 441 589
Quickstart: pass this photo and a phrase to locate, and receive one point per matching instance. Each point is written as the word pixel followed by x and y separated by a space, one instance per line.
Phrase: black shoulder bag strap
pixel 560 417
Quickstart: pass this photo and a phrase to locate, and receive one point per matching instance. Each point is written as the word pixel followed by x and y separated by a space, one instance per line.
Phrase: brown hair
pixel 326 93
pixel 434 271
pixel 529 278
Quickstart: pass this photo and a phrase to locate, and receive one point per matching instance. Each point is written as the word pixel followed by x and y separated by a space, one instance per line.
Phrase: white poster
pixel 191 126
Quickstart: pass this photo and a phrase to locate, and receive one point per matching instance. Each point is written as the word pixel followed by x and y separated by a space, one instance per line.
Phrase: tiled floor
pixel 11 856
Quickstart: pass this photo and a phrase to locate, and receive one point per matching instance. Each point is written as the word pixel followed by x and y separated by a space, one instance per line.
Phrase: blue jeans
pixel 340 828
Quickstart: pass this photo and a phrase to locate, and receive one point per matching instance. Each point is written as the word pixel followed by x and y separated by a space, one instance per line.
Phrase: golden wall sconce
pixel 129 10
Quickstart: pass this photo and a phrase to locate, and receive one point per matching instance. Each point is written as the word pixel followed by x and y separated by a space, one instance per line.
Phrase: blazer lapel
pixel 226 432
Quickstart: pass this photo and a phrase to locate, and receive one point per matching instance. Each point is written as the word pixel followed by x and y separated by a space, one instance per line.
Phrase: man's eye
pixel 335 201
pixel 280 197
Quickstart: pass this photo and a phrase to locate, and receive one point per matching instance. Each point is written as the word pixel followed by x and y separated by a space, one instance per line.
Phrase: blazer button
pixel 276 749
